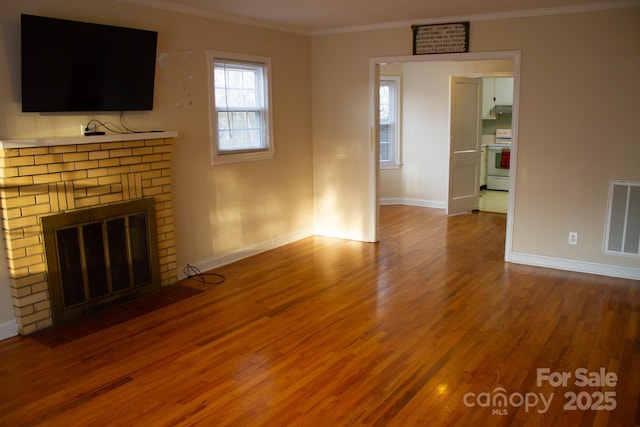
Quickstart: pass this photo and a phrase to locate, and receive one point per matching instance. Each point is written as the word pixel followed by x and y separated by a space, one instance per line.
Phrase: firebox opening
pixel 100 256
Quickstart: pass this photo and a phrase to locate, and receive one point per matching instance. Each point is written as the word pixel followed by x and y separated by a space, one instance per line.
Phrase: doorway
pixel 416 121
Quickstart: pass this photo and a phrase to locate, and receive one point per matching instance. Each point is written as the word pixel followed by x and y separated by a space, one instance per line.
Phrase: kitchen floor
pixel 494 201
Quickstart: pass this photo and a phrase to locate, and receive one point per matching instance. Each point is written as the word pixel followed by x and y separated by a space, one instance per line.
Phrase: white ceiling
pixel 317 16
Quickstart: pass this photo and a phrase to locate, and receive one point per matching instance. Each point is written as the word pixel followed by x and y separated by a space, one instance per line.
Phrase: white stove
pixel 499 161
pixel 503 136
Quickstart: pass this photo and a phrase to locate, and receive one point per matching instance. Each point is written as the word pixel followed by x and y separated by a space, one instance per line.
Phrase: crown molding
pixel 563 10
pixel 205 13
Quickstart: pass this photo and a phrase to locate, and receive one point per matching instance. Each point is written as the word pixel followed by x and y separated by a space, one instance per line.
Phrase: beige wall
pixel 8 326
pixel 585 65
pixel 221 212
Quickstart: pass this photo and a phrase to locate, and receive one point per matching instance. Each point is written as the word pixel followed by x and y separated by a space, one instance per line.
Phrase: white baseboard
pixel 536 260
pixel 366 237
pixel 358 237
pixel 8 329
pixel 436 204
pixel 392 201
pixel 210 264
pixel 573 265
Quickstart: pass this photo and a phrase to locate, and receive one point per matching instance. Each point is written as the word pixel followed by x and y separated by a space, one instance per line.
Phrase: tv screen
pixel 77 66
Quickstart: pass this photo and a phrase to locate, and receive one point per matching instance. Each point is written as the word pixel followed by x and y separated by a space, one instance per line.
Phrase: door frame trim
pixel 374 169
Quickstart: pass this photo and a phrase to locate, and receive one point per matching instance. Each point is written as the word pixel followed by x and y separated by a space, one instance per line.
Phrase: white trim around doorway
pixel 374 170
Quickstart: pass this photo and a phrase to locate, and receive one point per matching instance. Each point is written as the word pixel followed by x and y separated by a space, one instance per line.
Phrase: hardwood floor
pixel 427 327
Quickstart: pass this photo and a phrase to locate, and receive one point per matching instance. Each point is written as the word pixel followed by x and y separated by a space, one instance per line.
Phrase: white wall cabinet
pixel 496 91
pixel 503 91
pixel 488 93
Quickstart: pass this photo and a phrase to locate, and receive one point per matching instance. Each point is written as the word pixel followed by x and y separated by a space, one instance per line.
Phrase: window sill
pixel 390 165
pixel 242 157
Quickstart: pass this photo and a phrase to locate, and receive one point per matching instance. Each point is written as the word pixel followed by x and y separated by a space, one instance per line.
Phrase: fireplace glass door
pixel 100 256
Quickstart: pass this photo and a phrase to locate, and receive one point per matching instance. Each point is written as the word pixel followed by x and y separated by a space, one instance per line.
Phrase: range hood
pixel 501 109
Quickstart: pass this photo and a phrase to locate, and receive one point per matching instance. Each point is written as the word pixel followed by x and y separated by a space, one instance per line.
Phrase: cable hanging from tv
pixel 122 129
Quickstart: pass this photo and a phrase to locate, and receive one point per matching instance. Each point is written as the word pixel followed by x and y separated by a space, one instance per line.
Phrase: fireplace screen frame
pixel 63 309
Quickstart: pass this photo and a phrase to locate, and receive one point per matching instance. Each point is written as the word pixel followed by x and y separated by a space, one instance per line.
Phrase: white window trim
pixel 249 155
pixel 396 163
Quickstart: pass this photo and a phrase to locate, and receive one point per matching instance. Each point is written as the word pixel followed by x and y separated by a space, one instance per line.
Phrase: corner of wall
pixel 8 329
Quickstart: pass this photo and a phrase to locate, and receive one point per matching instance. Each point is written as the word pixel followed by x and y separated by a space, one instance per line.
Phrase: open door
pixel 464 145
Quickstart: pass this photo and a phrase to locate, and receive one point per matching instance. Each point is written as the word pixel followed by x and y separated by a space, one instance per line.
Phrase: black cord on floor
pixel 194 273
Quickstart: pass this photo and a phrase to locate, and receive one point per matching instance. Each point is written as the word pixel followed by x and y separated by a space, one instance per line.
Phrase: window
pixel 389 122
pixel 240 107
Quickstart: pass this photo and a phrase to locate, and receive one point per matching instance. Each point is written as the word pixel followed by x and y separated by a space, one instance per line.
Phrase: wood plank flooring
pixel 428 327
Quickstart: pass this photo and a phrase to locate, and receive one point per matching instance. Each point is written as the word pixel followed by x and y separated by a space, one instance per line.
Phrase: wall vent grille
pixel 622 235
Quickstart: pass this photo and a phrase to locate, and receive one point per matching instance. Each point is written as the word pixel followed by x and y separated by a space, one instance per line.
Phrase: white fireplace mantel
pixel 95 139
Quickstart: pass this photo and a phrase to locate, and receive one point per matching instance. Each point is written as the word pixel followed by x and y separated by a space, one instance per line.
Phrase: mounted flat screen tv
pixel 78 66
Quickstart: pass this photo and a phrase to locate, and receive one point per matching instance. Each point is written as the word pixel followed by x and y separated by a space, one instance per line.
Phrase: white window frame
pixel 219 157
pixel 395 82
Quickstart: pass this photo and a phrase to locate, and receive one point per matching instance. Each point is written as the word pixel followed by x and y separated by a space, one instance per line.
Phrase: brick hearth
pixel 70 174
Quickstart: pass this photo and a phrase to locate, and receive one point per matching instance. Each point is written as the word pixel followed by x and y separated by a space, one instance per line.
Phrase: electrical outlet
pixel 573 237
pixel 88 128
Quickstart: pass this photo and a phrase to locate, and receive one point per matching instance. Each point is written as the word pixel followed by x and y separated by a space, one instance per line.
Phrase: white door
pixel 464 145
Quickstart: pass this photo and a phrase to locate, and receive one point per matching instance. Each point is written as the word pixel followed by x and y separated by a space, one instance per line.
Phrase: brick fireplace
pixel 44 177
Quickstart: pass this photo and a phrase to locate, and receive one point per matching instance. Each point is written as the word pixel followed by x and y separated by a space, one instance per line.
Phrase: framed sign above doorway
pixel 441 38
